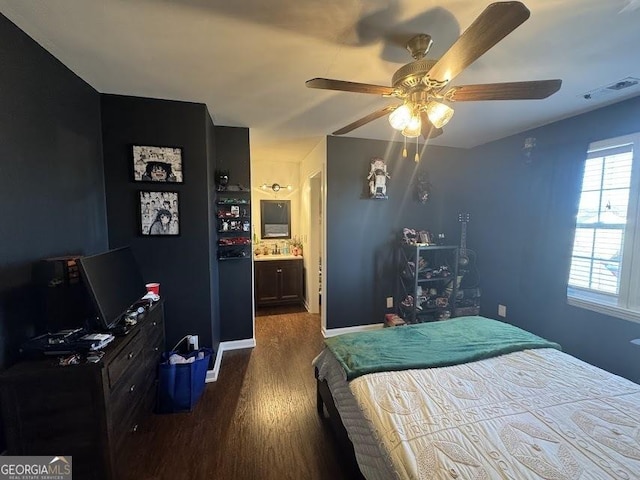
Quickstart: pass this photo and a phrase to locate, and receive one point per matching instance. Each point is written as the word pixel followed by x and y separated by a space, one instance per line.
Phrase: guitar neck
pixel 463 218
pixel 463 239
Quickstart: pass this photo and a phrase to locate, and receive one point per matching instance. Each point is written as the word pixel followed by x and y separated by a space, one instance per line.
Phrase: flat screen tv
pixel 114 282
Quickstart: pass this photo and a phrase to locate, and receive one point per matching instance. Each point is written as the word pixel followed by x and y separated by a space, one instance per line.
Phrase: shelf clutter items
pixel 65 342
pixel 428 278
pixel 393 320
pixel 233 212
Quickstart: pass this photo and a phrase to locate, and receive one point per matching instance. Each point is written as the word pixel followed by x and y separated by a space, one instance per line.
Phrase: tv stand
pixel 90 411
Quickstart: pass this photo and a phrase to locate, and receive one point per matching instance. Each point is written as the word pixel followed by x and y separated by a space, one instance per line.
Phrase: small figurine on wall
pixel 222 180
pixel 423 187
pixel 378 178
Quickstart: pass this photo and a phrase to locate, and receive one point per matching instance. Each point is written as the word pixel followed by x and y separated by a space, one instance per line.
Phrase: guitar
pixel 463 256
pixel 466 257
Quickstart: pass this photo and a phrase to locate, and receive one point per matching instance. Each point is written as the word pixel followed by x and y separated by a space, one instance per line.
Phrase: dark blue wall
pixel 203 296
pixel 362 233
pixel 236 283
pixel 51 181
pixel 523 219
pixel 180 263
pixel 213 234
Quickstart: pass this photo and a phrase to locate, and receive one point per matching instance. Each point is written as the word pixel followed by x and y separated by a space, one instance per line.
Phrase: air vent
pixel 624 84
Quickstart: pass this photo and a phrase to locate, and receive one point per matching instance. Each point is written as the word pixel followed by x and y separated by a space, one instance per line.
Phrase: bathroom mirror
pixel 275 218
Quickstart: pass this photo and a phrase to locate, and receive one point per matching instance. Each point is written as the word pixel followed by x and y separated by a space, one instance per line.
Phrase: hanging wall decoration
pixel 423 187
pixel 159 213
pixel 527 149
pixel 157 164
pixel 378 178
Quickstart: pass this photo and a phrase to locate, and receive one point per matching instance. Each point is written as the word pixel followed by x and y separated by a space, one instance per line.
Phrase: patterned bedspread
pixel 534 414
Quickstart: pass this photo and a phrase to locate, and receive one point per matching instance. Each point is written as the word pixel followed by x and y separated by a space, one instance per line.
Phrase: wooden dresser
pixel 89 411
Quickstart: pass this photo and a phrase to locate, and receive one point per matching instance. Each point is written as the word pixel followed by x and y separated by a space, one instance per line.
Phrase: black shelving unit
pixel 427 282
pixel 233 223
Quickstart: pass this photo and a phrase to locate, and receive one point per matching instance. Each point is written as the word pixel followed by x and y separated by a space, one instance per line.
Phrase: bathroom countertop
pixel 262 258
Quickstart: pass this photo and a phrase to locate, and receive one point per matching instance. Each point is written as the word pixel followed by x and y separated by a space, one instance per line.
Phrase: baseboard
pixel 212 375
pixel 332 332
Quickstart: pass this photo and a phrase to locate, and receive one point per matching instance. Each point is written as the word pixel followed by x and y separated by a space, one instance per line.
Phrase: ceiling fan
pixel 421 84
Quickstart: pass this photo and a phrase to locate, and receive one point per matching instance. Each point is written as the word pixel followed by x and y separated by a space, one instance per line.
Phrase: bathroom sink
pixel 261 258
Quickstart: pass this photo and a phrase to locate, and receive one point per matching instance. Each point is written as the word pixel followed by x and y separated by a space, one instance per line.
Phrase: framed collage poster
pixel 159 213
pixel 157 164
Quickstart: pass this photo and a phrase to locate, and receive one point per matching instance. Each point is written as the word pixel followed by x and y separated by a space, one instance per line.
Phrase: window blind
pixel 602 217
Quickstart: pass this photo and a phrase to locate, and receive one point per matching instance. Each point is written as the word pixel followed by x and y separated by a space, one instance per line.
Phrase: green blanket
pixel 435 344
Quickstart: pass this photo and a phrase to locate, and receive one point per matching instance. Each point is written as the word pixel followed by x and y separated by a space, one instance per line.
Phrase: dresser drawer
pixel 128 427
pixel 154 321
pixel 128 393
pixel 128 356
pixel 154 332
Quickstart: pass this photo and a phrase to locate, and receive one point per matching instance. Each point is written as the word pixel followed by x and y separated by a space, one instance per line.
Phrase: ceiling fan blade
pixel 496 22
pixel 343 86
pixel 364 120
pixel 533 90
pixel 428 130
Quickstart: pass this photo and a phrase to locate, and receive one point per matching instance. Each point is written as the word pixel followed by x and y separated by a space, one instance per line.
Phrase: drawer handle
pixel 154 323
pixel 279 270
pixel 134 429
pixel 132 388
pixel 130 356
pixel 156 349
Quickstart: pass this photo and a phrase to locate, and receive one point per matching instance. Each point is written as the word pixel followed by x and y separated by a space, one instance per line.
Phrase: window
pixel 605 262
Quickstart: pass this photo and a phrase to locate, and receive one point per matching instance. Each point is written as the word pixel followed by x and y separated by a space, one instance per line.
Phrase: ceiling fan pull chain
pixel 417 157
pixel 404 150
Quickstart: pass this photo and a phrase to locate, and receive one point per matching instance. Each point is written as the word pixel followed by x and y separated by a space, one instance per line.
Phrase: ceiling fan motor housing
pixel 419 45
pixel 411 75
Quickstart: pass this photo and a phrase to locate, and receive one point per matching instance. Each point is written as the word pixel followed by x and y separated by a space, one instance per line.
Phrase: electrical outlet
pixel 193 342
pixel 502 310
pixel 389 302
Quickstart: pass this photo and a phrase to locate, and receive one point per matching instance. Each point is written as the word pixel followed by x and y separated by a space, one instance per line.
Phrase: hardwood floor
pixel 258 421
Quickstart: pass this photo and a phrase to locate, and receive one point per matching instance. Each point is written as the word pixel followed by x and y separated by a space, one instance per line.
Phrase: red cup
pixel 153 288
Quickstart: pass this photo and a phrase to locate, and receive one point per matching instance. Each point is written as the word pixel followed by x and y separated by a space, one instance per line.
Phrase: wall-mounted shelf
pixel 224 259
pixel 233 223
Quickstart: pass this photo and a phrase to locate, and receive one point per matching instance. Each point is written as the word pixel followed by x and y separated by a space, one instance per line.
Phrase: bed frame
pixel 329 414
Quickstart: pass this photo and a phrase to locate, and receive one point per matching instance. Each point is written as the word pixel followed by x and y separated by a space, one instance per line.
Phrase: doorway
pixel 314 262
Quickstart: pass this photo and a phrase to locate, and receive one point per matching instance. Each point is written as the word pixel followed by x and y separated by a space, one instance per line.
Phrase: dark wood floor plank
pixel 257 421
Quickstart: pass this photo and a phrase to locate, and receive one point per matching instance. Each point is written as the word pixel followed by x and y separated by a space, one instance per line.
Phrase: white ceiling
pixel 248 59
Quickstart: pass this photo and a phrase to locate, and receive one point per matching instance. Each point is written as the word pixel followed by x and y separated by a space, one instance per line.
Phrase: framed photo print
pixel 157 164
pixel 159 213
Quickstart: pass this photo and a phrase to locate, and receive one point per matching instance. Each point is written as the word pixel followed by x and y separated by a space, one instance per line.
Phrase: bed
pixel 485 400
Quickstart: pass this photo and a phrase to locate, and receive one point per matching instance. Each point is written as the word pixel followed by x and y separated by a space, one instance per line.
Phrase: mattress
pixel 532 414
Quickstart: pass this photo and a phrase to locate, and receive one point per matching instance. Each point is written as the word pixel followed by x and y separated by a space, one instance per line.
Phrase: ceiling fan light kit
pixel 400 117
pixel 421 84
pixel 439 113
pixel 414 128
